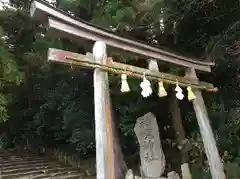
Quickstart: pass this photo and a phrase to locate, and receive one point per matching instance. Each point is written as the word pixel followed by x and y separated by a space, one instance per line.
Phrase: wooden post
pixel 109 126
pixel 177 123
pixel 118 166
pixel 102 113
pixel 216 166
pixel 182 142
pixel 110 161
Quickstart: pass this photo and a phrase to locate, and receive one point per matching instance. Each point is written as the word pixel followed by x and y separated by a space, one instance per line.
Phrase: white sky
pixel 5 3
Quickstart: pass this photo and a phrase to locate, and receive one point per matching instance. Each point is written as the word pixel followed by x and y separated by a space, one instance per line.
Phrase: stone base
pixel 171 175
pixel 186 174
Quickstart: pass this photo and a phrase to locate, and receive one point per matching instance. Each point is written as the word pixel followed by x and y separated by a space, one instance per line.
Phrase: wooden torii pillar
pixel 73 28
pixel 101 92
pixel 216 166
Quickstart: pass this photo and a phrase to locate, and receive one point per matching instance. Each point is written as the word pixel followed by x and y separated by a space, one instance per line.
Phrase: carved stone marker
pixel 129 174
pixel 173 175
pixel 151 153
pixel 137 177
pixel 186 174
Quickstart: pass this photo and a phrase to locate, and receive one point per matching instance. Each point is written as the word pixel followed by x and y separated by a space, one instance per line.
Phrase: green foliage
pixel 9 74
pixel 3 111
pixel 4 141
pixel 232 170
pixel 53 106
pixel 115 15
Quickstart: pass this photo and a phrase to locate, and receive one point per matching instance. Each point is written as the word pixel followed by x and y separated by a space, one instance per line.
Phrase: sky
pixel 5 2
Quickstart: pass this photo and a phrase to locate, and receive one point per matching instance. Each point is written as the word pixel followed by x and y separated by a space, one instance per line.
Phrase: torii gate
pixel 65 25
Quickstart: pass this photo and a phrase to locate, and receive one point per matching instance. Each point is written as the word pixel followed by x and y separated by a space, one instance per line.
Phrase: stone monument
pixel 173 175
pixel 151 153
pixel 186 174
pixel 129 174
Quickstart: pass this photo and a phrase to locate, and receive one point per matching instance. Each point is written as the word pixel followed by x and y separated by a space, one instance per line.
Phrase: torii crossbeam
pixel 73 28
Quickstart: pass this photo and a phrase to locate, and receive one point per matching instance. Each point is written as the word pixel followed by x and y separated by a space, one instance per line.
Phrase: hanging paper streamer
pixel 146 87
pixel 161 90
pixel 179 93
pixel 124 86
pixel 191 95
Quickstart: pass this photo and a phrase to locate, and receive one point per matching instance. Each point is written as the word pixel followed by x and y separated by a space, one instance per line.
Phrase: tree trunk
pixel 182 142
pixel 178 127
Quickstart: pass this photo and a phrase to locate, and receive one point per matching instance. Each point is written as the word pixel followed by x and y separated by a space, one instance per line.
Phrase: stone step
pixel 30 174
pixel 6 159
pixel 71 176
pixel 10 163
pixel 31 168
pixel 40 176
pixel 58 175
pixel 27 165
pixel 66 174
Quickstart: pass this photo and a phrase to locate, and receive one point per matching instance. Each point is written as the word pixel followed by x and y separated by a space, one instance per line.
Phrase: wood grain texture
pixel 74 33
pixel 118 168
pixel 110 135
pixel 214 160
pixel 75 28
pixel 100 86
pixel 114 166
pixel 66 57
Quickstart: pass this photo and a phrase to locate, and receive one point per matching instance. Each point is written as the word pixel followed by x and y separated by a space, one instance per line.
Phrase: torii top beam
pixel 72 27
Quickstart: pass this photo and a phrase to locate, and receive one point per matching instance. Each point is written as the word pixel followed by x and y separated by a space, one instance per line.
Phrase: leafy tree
pixel 55 104
pixel 9 75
